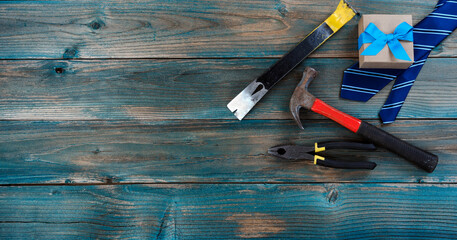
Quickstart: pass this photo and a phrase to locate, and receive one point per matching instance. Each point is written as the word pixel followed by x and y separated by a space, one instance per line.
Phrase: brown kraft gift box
pixel 385 58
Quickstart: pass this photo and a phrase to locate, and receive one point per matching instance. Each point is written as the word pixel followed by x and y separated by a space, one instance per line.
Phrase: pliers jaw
pixel 292 152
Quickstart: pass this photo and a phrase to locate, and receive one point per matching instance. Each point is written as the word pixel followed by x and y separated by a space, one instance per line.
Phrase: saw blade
pixel 246 99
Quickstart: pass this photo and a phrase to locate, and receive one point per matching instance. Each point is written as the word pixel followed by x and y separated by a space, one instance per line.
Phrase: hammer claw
pixel 301 97
pixel 296 116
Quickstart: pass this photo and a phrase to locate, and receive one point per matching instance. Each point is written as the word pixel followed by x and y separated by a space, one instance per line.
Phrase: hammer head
pixel 301 97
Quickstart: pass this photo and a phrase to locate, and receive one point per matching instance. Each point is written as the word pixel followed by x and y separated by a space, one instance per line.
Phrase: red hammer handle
pixel 421 158
pixel 336 115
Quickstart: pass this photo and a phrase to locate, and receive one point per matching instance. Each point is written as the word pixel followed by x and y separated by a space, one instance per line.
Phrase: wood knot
pixel 282 9
pixel 109 180
pixel 96 151
pixel 332 196
pixel 97 24
pixel 54 192
pixel 70 53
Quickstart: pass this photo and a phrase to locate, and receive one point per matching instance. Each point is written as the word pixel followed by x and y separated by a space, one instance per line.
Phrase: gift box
pixel 376 30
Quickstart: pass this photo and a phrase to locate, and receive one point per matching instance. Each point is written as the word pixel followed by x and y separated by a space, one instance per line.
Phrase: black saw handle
pixel 421 158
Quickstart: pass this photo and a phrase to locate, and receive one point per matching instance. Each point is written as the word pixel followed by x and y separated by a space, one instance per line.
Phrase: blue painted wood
pixel 134 126
pixel 219 211
pixel 182 28
pixel 204 151
pixel 179 89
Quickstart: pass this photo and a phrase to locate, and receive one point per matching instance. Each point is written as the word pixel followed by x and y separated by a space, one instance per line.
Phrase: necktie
pixel 362 84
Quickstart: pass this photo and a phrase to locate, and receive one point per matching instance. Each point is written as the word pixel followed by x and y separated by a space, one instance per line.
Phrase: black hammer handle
pixel 421 158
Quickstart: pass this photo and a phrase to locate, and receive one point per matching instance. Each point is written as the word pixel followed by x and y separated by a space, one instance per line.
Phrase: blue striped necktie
pixel 362 84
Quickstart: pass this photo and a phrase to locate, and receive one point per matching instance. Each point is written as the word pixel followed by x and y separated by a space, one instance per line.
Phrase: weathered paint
pixel 233 211
pixel 152 89
pixel 183 28
pixel 204 151
pixel 78 106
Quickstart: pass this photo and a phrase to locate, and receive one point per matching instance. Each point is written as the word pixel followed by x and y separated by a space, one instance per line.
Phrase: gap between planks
pixel 225 183
pixel 191 58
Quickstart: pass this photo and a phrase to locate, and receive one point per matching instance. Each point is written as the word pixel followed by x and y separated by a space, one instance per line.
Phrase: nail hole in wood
pixel 59 70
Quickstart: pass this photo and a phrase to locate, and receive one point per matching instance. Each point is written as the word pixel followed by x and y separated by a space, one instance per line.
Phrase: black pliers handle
pixel 297 152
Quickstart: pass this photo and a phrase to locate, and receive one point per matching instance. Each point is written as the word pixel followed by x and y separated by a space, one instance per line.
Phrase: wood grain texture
pixel 183 28
pixel 194 89
pixel 317 211
pixel 99 97
pixel 204 151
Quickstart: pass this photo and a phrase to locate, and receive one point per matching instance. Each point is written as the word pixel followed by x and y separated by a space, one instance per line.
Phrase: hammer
pixel 302 98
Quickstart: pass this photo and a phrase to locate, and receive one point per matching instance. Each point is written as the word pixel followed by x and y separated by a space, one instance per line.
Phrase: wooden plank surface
pixel 182 28
pixel 193 89
pixel 204 151
pixel 113 125
pixel 219 211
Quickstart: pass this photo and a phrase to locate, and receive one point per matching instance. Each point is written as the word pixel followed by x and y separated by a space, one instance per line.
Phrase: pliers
pixel 297 152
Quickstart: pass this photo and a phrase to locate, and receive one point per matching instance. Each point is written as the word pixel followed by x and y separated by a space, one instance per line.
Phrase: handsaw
pixel 246 99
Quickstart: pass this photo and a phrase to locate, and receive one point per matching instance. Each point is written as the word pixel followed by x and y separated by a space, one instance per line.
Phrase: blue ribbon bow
pixel 373 35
